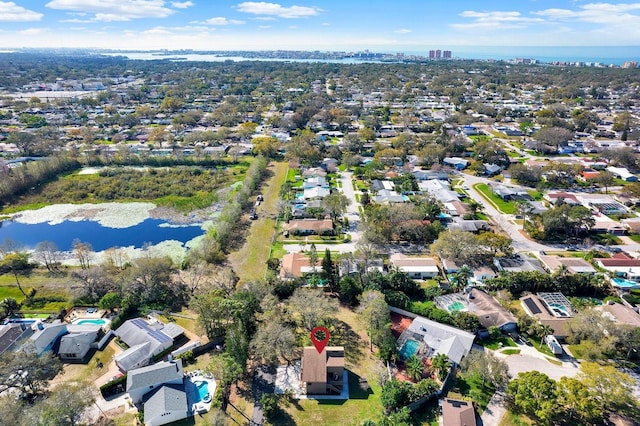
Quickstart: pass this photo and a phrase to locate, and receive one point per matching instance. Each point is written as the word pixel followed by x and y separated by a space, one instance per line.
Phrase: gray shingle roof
pixel 133 356
pixel 162 372
pixel 165 399
pixel 77 342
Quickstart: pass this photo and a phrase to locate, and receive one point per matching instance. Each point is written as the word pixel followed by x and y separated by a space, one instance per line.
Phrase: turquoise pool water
pixel 624 283
pixel 203 391
pixel 456 306
pixel 559 309
pixel 92 322
pixel 409 348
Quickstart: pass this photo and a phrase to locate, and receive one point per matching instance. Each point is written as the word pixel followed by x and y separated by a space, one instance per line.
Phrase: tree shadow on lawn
pixel 343 335
pixel 359 387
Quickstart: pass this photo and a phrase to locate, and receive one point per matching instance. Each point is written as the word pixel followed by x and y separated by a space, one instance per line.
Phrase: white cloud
pixel 274 9
pixel 114 10
pixel 264 27
pixel 11 12
pixel 402 31
pixel 495 19
pixel 220 20
pixel 32 31
pixel 596 13
pixel 181 5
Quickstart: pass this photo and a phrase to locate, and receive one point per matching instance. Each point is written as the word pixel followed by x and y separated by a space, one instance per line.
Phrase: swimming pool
pixel 98 321
pixel 624 283
pixel 559 310
pixel 456 306
pixel 410 347
pixel 203 391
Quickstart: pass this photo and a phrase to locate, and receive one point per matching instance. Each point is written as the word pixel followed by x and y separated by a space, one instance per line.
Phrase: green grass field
pixel 506 207
pixel 250 262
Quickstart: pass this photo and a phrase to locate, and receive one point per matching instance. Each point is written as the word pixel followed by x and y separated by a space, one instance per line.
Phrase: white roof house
pixel 415 267
pixel 443 339
pixel 623 173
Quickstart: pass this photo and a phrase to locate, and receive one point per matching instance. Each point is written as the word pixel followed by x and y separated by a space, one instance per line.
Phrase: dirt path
pixel 250 262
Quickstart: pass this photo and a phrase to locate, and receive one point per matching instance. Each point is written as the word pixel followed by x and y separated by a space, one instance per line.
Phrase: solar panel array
pixel 156 334
pixel 533 307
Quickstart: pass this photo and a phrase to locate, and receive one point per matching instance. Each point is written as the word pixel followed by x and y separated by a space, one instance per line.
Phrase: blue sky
pixel 379 25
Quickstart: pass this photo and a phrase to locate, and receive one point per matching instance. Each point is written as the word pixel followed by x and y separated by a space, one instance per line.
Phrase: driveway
pixel 529 359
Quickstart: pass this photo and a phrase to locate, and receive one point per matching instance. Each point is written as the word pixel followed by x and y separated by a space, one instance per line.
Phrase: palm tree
pixel 441 363
pixel 461 277
pixel 415 367
pixel 9 305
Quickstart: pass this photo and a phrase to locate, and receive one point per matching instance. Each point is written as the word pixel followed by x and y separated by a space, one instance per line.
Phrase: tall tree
pixel 488 367
pixel 533 393
pixel 28 372
pixel 274 341
pixel 17 264
pixel 312 307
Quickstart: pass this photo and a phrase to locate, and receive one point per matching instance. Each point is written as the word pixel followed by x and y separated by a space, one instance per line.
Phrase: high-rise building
pixel 432 54
pixel 630 64
pixel 438 54
pixel 446 54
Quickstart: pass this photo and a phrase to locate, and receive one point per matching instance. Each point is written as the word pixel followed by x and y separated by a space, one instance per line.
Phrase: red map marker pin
pixel 320 344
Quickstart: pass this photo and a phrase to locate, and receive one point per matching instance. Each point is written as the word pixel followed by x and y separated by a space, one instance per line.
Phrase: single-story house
pixel 11 334
pixel 566 197
pixel 622 173
pixel 141 381
pixel 387 197
pixel 449 266
pixel 145 340
pixel 456 162
pixel 490 312
pixel 296 265
pixel 75 346
pixel 509 193
pixel 474 226
pixel 535 307
pixel 491 169
pixel 458 413
pixel 315 192
pixel 315 181
pixel 309 226
pixel 483 273
pixel 518 263
pixel 379 185
pixel 573 265
pixel 323 372
pixel 620 314
pixel 313 172
pixel 165 404
pixel 620 264
pixel 440 338
pixel 45 337
pixel 439 189
pixel 420 268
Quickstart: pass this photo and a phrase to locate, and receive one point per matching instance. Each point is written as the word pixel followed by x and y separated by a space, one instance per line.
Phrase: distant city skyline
pixel 379 25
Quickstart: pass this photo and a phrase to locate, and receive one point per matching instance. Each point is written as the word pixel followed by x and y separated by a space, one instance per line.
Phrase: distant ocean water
pixel 606 55
pixel 615 55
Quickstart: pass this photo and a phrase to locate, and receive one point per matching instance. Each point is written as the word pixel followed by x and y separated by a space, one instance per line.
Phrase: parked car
pixel 253 215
